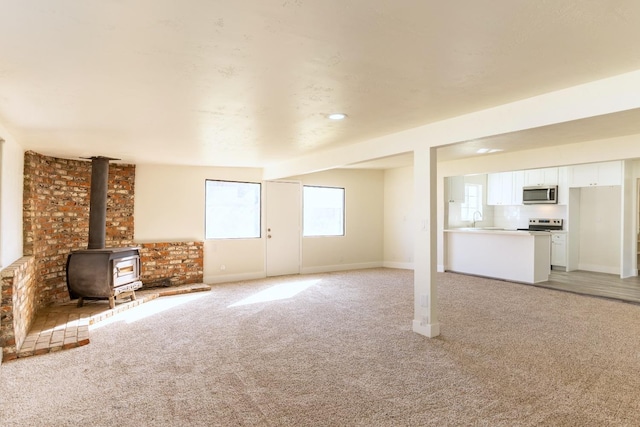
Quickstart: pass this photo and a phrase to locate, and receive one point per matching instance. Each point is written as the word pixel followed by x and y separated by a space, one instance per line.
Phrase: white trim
pixel 400 265
pixel 339 267
pixel 234 277
pixel 599 268
pixel 429 330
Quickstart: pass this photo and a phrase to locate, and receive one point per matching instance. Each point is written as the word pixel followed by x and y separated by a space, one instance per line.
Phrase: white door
pixel 283 228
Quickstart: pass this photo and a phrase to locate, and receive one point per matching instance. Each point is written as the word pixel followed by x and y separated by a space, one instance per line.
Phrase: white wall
pixel 453 210
pixel 362 244
pixel 398 218
pixel 169 200
pixel 170 206
pixel 518 216
pixel 11 191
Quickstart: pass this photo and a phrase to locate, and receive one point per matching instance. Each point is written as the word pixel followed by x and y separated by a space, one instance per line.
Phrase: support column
pixel 425 177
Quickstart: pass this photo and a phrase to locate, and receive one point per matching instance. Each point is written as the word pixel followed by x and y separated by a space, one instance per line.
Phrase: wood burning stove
pixel 104 273
pixel 98 272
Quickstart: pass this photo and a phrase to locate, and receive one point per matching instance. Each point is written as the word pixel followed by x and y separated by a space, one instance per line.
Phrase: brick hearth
pixel 65 326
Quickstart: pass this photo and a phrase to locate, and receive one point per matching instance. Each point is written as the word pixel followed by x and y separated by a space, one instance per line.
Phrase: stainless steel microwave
pixel 540 195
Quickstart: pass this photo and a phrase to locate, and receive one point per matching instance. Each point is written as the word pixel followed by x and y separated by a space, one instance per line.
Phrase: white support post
pixel 425 319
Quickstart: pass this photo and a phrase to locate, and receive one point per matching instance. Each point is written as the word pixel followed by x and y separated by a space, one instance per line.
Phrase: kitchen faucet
pixel 474 218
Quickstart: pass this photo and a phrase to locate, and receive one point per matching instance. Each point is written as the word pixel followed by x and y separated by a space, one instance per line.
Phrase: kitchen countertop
pixel 496 230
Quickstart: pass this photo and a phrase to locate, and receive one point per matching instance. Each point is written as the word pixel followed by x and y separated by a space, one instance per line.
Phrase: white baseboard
pixel 408 266
pixel 339 267
pixel 599 268
pixel 222 278
pixel 234 277
pixel 430 330
pixel 400 265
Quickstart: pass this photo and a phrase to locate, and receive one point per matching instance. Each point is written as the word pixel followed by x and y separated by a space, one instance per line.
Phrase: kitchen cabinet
pixel 456 189
pixel 518 183
pixel 494 189
pixel 559 249
pixel 504 188
pixel 563 186
pixel 595 174
pixel 541 177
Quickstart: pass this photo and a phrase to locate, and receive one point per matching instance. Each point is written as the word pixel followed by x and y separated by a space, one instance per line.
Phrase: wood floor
pixel 596 284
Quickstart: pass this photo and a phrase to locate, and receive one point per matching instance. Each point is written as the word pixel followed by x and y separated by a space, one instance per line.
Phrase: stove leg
pixel 133 295
pixel 80 302
pixel 112 302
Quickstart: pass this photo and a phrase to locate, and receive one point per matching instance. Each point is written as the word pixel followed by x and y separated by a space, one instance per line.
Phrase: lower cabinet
pixel 559 250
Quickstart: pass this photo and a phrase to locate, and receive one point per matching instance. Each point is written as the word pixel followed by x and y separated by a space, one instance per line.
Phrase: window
pixel 323 213
pixel 472 202
pixel 232 210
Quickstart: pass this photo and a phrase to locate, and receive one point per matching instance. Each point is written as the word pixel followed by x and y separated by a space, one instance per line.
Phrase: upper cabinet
pixel 456 189
pixel 495 188
pixel 546 177
pixel 595 174
pixel 541 177
pixel 518 183
pixel 504 188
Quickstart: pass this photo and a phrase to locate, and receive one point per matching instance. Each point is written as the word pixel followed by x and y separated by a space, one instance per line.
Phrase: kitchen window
pixel 472 202
pixel 232 210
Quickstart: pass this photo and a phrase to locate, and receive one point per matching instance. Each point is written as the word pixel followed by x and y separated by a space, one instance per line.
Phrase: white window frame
pixel 466 209
pixel 306 212
pixel 236 212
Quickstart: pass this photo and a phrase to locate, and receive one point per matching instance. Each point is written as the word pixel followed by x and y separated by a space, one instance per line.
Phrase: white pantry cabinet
pixel 595 174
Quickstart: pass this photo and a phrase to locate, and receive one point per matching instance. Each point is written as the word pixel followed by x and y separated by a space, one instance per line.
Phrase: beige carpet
pixel 341 352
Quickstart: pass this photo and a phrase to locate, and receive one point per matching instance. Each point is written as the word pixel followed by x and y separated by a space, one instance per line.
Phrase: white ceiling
pixel 591 129
pixel 248 83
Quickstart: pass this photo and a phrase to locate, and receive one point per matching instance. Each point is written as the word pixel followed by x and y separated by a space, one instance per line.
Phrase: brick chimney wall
pixel 56 221
pixel 56 216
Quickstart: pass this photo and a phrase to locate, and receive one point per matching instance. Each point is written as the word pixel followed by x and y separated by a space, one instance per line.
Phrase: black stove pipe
pixel 98 202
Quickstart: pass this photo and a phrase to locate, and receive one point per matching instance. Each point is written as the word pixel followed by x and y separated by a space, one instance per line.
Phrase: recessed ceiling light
pixel 488 150
pixel 337 116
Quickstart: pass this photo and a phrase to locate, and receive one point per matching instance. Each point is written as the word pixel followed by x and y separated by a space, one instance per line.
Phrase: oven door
pixel 125 270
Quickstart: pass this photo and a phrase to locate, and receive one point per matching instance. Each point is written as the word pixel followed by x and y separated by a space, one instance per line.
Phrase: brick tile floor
pixel 65 326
